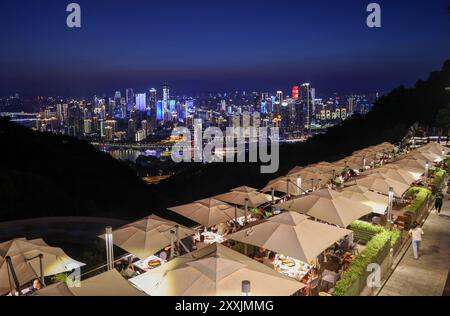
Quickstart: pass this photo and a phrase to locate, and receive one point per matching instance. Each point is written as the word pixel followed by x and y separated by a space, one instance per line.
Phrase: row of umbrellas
pixel 25 261
pixel 218 270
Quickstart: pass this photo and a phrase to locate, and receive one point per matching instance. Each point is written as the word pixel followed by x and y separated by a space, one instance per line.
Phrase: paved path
pixel 428 275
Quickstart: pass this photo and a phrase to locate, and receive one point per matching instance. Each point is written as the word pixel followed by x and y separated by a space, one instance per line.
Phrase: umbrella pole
pixel 41 267
pixel 172 244
pixel 245 211
pixel 109 248
pixel 177 232
pixel 12 273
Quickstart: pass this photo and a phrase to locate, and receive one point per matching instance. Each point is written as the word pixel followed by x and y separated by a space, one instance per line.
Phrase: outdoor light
pixel 364 163
pixel 245 211
pixel 246 288
pixel 427 166
pixel 109 248
pixel 391 201
pixel 299 184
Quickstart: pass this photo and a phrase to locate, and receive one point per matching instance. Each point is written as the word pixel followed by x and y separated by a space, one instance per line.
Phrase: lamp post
pixel 299 184
pixel 246 288
pixel 427 166
pixel 245 211
pixel 364 163
pixel 109 248
pixel 390 204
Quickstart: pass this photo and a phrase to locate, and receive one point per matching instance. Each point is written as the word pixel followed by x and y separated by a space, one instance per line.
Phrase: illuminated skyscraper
pixel 140 102
pixel 305 95
pixel 130 99
pixel 295 93
pixel 166 95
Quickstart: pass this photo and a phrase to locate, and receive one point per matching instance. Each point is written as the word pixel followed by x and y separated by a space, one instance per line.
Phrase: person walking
pixel 438 202
pixel 416 236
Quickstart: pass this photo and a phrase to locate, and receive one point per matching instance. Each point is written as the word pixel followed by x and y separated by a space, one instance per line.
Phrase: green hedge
pixel 353 280
pixel 363 231
pixel 420 196
pixel 439 175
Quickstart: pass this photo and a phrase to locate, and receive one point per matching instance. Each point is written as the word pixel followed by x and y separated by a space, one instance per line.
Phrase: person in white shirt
pixel 416 236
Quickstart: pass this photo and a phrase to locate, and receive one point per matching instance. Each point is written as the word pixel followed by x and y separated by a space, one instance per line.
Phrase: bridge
pixel 20 116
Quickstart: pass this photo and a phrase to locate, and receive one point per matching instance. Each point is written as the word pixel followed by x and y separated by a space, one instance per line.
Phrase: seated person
pixel 128 270
pixel 37 285
pixel 270 260
pixel 260 254
pixel 222 229
pixel 201 244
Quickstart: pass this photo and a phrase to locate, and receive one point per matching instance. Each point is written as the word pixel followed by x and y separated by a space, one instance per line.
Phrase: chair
pixel 313 285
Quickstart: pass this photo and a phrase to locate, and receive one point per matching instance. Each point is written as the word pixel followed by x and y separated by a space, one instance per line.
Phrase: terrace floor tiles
pixel 428 275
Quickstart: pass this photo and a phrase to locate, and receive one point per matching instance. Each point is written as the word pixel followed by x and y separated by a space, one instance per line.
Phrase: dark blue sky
pixel 218 45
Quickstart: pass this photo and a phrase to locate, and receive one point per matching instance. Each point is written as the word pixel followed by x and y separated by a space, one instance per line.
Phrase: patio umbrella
pixel 325 167
pixel 414 172
pixel 147 236
pixel 351 162
pixel 239 195
pixel 215 271
pixel 411 162
pixel 426 156
pixel 395 174
pixel 109 283
pixel 24 257
pixel 291 234
pixel 381 183
pixel 434 148
pixel 57 289
pixel 329 206
pixel 288 185
pixel 312 177
pixel 208 212
pixel 377 202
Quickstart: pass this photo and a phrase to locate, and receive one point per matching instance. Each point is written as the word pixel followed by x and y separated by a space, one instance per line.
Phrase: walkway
pixel 428 275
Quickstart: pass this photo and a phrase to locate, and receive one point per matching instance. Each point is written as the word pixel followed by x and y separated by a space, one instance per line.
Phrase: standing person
pixel 416 236
pixel 438 202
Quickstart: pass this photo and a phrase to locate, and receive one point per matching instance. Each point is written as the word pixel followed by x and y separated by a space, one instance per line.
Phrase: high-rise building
pixel 350 105
pixel 305 95
pixel 130 100
pixel 295 93
pixel 87 126
pixel 140 102
pixel 166 95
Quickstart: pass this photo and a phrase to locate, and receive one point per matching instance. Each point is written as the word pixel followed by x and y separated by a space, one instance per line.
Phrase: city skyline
pixel 203 46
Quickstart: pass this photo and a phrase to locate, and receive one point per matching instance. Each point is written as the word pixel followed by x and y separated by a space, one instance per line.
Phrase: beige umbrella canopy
pixel 411 162
pixel 291 234
pixel 426 156
pixel 312 177
pixel 377 202
pixel 386 147
pixel 109 283
pixel 57 289
pixel 329 206
pixel 324 168
pixel 413 172
pixel 288 185
pixel 147 236
pixel 395 174
pixel 434 148
pixel 352 162
pixel 208 212
pixel 239 195
pixel 381 183
pixel 215 271
pixel 22 252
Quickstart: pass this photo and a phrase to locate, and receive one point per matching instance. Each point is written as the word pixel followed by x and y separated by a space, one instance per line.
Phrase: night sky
pixel 213 45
